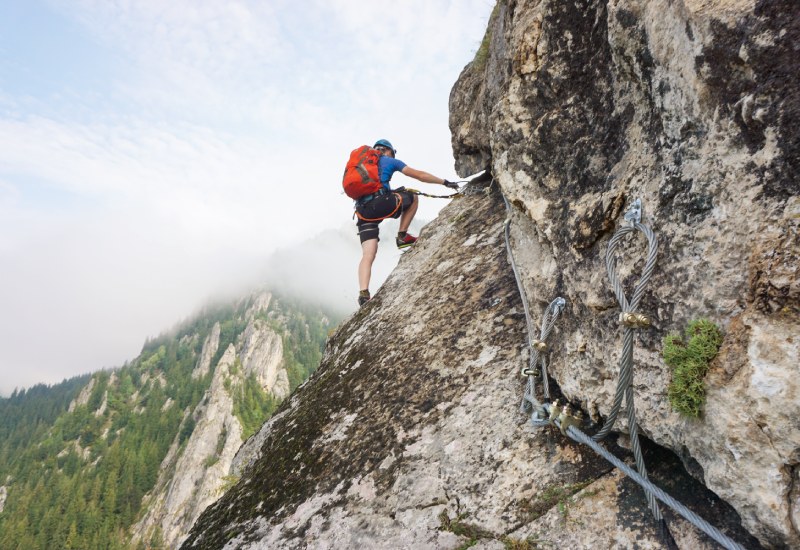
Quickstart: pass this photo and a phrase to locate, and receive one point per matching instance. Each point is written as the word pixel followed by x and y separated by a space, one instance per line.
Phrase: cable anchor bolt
pixel 539 414
pixel 634 213
pixel 539 345
pixel 567 419
pixel 632 319
pixel 553 411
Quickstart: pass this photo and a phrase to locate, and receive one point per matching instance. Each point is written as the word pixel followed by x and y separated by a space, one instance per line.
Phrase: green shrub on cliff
pixel 482 55
pixel 252 405
pixel 689 357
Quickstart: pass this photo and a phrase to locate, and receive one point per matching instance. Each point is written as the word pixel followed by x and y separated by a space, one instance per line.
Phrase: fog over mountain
pixel 322 270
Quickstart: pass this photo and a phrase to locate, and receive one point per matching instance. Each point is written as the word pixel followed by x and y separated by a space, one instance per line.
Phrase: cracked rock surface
pixel 582 107
pixel 409 435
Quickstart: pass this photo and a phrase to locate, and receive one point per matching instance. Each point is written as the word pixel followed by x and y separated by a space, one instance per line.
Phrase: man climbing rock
pixel 385 203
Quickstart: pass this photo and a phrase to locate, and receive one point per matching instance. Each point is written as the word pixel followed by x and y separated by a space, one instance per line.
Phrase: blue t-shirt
pixel 387 166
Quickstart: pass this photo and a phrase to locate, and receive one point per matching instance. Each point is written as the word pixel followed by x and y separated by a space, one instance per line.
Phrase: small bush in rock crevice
pixel 688 357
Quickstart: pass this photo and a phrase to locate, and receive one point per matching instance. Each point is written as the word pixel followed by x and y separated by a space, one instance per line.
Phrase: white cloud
pixel 217 132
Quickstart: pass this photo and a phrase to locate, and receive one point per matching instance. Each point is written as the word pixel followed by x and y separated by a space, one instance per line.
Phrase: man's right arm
pixel 424 177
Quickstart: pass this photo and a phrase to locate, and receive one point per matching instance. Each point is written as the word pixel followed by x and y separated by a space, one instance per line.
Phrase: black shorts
pixel 378 209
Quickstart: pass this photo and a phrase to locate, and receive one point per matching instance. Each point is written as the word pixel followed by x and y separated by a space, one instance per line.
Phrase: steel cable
pixel 507 231
pixel 625 380
pixel 652 489
pixel 626 360
pixel 535 356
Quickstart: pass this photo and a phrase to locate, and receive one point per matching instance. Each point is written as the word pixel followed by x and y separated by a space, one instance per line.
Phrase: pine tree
pixel 72 541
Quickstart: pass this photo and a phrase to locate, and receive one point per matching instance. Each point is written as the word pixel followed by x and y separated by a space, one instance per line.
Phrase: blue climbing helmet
pixel 385 143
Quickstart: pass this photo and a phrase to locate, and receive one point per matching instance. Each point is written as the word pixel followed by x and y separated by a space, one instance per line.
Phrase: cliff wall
pixel 410 435
pixel 582 107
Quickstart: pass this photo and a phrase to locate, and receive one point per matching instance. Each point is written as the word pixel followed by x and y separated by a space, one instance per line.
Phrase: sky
pixel 155 155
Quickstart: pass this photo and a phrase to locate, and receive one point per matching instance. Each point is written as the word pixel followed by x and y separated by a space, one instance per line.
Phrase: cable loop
pixel 626 360
pixel 650 264
pixel 631 320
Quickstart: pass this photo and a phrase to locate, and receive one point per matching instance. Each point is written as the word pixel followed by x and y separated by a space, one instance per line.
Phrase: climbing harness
pixel 630 318
pixel 414 192
pixel 398 204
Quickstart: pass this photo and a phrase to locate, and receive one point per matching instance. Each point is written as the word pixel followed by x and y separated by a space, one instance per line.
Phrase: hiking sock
pixel 401 234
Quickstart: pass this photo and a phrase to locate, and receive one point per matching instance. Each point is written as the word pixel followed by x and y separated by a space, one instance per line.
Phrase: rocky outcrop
pixel 83 397
pixel 262 354
pixel 200 468
pixel 690 105
pixel 210 347
pixel 195 474
pixel 3 496
pixel 260 304
pixel 409 434
pixel 103 405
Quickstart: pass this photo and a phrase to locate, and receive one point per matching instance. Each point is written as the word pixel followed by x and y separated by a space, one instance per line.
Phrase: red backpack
pixel 361 173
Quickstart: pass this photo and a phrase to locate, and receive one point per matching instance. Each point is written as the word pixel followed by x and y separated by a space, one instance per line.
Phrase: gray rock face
pixel 83 397
pixel 416 441
pixel 250 451
pixel 199 469
pixel 690 106
pixel 262 354
pixel 210 347
pixel 3 496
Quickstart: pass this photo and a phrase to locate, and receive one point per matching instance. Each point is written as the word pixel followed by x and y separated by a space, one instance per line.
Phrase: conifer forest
pixel 75 471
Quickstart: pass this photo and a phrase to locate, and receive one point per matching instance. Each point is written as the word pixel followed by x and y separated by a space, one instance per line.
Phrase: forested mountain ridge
pixel 82 462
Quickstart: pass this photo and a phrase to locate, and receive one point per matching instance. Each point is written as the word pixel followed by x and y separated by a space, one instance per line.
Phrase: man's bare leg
pixel 369 249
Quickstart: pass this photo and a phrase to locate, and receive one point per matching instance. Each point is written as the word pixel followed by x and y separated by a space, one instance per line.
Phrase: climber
pixel 387 203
